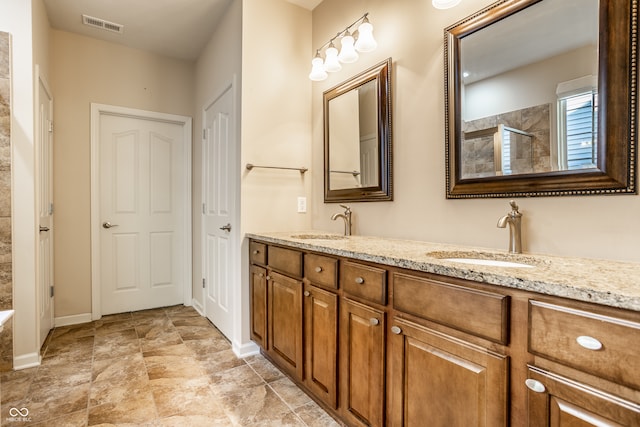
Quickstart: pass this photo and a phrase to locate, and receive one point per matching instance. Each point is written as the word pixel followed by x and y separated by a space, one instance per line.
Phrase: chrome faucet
pixel 514 218
pixel 346 216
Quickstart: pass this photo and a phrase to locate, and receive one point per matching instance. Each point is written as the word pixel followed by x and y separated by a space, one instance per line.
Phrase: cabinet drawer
pixel 481 313
pixel 286 261
pixel 563 334
pixel 364 281
pixel 258 253
pixel 321 270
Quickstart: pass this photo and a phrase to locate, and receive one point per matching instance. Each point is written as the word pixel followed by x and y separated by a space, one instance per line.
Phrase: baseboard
pixel 25 361
pixel 72 320
pixel 197 306
pixel 245 350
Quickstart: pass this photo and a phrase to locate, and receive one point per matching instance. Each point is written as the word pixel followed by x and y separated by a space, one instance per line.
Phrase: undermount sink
pixel 487 258
pixel 318 237
pixel 489 262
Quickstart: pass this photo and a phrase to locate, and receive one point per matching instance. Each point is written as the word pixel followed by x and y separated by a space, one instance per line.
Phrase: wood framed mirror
pixel 541 99
pixel 357 138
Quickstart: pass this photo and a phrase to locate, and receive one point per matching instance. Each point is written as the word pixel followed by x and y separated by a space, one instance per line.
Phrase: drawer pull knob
pixel 535 385
pixel 256 252
pixel 374 322
pixel 359 280
pixel 589 343
pixel 396 330
pixel 318 269
pixel 307 293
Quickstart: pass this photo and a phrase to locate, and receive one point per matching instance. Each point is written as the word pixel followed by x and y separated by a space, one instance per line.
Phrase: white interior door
pixel 44 141
pixel 142 216
pixel 219 241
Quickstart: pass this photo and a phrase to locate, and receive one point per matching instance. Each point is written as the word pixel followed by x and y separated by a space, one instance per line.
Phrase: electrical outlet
pixel 302 204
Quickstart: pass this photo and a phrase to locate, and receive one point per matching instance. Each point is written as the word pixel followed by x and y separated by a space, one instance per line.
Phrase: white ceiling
pixel 175 28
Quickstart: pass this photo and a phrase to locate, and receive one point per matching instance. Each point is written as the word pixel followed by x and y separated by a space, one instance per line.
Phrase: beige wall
pixel 411 31
pixel 85 71
pixel 276 113
pixel 276 128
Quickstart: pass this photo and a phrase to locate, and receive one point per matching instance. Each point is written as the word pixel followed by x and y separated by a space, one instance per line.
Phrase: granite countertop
pixel 606 282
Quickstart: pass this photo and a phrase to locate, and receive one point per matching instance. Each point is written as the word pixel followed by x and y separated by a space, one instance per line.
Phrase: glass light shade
pixel 445 4
pixel 317 70
pixel 365 42
pixel 348 53
pixel 331 63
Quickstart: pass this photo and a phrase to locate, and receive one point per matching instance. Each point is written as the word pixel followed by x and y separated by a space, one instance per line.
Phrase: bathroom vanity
pixel 390 332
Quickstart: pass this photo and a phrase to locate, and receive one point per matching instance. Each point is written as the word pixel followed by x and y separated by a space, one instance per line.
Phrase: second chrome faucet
pixel 346 216
pixel 514 219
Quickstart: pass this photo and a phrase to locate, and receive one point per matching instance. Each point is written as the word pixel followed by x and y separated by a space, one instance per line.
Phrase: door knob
pixel 107 224
pixel 226 227
pixel 44 228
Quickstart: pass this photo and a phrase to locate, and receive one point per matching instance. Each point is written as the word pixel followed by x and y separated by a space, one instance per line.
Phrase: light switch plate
pixel 302 204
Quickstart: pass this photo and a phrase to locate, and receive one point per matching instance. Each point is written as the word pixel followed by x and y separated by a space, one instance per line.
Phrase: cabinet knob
pixel 589 343
pixel 359 280
pixel 268 277
pixel 307 293
pixel 261 275
pixel 256 252
pixel 535 385
pixel 396 330
pixel 318 269
pixel 374 322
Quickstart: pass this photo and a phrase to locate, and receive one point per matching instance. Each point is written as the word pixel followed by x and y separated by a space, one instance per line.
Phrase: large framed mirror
pixel 357 138
pixel 541 99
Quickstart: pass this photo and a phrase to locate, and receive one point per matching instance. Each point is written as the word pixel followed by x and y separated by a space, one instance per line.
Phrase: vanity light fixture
pixel 445 4
pixel 350 46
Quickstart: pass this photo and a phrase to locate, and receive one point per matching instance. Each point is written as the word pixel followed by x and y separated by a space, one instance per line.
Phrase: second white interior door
pixel 219 240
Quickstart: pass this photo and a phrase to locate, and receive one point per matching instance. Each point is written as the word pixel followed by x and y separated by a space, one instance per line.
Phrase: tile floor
pixel 161 367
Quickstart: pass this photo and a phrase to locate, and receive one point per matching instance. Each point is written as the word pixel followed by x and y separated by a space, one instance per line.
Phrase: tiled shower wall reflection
pixel 6 286
pixel 528 155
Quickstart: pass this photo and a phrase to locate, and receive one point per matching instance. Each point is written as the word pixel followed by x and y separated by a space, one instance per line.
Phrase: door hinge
pixel 50 208
pixel 204 133
pixel 51 291
pixel 50 126
pixel 204 208
pixel 204 281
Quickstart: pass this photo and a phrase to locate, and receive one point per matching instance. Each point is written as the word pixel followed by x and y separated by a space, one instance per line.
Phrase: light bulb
pixel 331 63
pixel 365 42
pixel 317 70
pixel 445 4
pixel 348 53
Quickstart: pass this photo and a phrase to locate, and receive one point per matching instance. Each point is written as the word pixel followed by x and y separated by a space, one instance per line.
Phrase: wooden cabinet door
pixel 441 381
pixel 284 334
pixel 258 293
pixel 555 401
pixel 321 343
pixel 362 353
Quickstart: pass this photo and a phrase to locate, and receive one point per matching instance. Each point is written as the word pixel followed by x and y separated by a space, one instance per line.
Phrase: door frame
pixel 98 110
pixel 41 79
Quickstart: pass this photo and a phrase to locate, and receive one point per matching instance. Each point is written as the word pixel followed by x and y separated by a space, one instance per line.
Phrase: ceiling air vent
pixel 102 24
